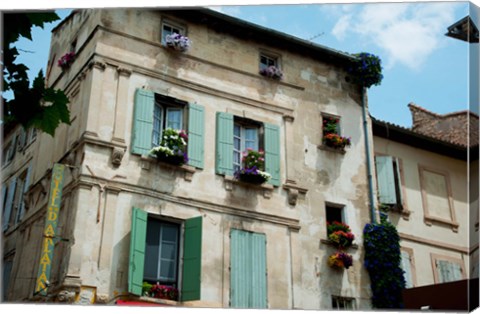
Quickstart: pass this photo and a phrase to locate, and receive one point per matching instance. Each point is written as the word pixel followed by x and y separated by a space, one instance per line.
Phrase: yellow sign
pixel 54 201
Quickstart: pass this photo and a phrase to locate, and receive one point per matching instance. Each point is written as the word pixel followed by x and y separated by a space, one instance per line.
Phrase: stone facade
pixel 119 53
pixel 436 190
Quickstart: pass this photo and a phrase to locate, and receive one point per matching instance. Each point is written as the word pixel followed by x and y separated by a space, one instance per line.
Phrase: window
pixel 168 112
pixel 9 151
pixel 7 269
pixel 170 28
pixel 153 113
pixel 266 61
pixel 447 269
pixel 330 125
pixel 244 136
pixel 248 269
pixel 161 252
pixel 334 212
pixel 234 135
pixel 343 303
pixel 407 266
pixel 155 254
pixel 389 182
pixel 13 198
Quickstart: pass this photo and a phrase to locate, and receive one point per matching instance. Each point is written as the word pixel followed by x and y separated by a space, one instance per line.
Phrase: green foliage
pixel 382 261
pixel 366 70
pixel 31 106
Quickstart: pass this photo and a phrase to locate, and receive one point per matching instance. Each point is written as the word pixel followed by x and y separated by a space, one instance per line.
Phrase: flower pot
pixel 251 178
pixel 173 160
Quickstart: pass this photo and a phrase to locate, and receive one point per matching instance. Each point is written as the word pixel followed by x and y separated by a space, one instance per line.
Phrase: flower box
pixel 178 42
pixel 336 141
pixel 159 291
pixel 272 72
pixel 173 147
pixel 340 235
pixel 66 60
pixel 253 166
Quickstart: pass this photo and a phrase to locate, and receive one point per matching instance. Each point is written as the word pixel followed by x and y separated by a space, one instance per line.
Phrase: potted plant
pixel 340 234
pixel 66 60
pixel 272 72
pixel 253 170
pixel 340 260
pixel 172 148
pixel 178 42
pixel 159 291
pixel 331 138
pixel 366 69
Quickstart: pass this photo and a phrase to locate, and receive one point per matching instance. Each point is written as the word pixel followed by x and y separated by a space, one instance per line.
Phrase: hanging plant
pixel 178 42
pixel 340 260
pixel 382 261
pixel 366 70
pixel 272 72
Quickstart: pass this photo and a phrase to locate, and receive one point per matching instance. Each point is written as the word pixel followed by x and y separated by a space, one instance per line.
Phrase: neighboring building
pixel 427 176
pixel 221 242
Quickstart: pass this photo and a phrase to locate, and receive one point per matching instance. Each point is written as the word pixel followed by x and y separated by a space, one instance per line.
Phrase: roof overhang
pixel 464 30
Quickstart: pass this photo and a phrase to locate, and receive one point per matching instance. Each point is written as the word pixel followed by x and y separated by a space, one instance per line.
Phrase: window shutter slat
pixel 196 130
pixel 138 238
pixel 224 154
pixel 192 260
pixel 142 122
pixel 240 272
pixel 258 271
pixel 272 153
pixel 385 180
pixel 21 212
pixel 9 203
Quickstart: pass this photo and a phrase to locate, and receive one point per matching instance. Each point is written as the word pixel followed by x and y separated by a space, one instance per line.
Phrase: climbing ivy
pixel 382 261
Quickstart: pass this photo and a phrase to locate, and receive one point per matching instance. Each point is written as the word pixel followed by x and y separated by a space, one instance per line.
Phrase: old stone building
pixel 126 218
pixel 427 176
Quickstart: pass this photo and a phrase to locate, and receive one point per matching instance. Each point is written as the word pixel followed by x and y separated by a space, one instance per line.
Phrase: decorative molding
pixel 188 171
pixel 293 191
pixel 124 71
pixel 329 243
pixel 228 209
pixel 430 242
pixel 97 64
pixel 231 182
pixel 331 149
pixel 288 118
pixel 66 296
pixel 117 155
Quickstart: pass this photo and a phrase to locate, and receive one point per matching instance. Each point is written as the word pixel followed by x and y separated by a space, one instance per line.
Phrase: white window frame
pixel 237 151
pixel 175 28
pixel 438 260
pixel 160 119
pixel 175 281
pixel 269 61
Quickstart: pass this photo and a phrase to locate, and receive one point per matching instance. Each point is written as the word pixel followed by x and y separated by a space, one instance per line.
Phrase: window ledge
pixel 188 171
pixel 230 182
pixel 331 149
pixel 158 301
pixel 429 220
pixel 328 242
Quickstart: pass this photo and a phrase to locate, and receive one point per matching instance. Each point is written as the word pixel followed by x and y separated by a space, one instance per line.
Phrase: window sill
pixel 331 149
pixel 188 171
pixel 328 242
pixel 429 220
pixel 159 301
pixel 230 182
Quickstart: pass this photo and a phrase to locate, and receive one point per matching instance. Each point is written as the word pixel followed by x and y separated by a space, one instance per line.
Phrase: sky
pixel 420 64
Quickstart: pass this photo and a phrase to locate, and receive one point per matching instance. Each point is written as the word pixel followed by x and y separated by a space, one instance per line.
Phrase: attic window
pixel 170 28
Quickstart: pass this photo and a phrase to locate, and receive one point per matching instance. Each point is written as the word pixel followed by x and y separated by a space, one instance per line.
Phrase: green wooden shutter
pixel 138 238
pixel 196 130
pixel 192 260
pixel 272 153
pixel 248 270
pixel 142 122
pixel 9 203
pixel 224 156
pixel 385 180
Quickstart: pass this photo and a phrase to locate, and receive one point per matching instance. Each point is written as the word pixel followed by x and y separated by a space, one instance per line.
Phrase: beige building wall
pixel 119 51
pixel 434 223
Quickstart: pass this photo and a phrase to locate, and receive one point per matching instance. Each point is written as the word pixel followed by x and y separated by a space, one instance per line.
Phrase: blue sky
pixel 420 64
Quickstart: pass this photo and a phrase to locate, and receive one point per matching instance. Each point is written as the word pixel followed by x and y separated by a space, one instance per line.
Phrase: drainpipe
pixel 367 151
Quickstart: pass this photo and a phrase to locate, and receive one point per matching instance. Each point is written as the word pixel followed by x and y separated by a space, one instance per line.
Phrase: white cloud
pixel 408 33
